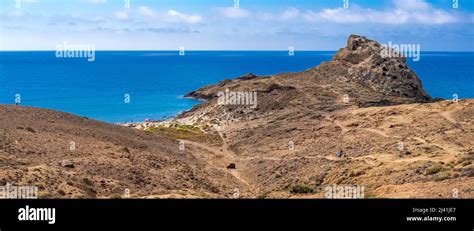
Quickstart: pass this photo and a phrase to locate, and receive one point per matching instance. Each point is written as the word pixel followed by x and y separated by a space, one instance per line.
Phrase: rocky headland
pixel 397 141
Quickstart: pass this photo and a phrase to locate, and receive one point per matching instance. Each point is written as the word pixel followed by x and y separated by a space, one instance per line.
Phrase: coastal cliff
pixel 397 141
pixel 260 137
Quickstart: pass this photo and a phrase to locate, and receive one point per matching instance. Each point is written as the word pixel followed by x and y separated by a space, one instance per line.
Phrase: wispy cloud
pixel 234 13
pixel 181 17
pixel 288 14
pixel 168 30
pixel 401 12
pixel 267 25
pixel 172 16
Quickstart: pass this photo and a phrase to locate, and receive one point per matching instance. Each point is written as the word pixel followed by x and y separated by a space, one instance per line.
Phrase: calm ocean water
pixel 156 81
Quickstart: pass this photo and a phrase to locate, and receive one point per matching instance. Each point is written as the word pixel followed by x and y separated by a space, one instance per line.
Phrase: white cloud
pixel 235 13
pixel 338 15
pixel 404 11
pixel 170 16
pixel 289 14
pixel 180 17
pixel 401 12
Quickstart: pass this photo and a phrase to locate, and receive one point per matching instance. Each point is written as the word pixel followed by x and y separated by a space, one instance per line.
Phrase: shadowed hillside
pixel 103 161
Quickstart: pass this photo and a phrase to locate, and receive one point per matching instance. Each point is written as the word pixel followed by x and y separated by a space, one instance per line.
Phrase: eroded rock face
pixel 358 75
pixel 362 61
pixel 359 102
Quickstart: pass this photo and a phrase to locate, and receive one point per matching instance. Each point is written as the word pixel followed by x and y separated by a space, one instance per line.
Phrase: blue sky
pixel 219 25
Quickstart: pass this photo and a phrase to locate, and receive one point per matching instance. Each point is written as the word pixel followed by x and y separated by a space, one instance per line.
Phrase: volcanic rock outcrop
pixel 357 75
pixel 363 61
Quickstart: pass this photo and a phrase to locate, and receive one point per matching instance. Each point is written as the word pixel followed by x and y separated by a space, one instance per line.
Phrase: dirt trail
pixel 448 115
pixel 229 157
pixel 378 132
pixel 438 151
pixel 241 162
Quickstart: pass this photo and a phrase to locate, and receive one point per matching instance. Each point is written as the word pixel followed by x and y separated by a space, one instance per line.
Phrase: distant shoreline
pixel 160 90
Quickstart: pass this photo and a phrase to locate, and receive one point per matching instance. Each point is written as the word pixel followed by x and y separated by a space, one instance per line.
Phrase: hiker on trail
pixel 340 154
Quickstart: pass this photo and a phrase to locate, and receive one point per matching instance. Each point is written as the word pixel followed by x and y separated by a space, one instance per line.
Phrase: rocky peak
pixel 357 70
pixel 362 61
pixel 356 41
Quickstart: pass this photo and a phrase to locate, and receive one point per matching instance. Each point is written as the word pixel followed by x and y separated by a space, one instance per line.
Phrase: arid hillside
pixel 397 141
pixel 75 157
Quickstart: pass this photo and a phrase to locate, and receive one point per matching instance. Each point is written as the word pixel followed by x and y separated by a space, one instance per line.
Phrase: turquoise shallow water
pixel 155 81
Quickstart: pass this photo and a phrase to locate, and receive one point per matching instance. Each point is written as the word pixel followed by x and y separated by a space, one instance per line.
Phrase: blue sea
pixel 154 82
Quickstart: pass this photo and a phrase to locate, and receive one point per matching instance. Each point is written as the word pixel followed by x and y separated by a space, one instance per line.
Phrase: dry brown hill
pixel 407 146
pixel 103 161
pixel 397 141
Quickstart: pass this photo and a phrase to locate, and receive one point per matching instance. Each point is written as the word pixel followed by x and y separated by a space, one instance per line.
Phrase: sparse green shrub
pixel 434 169
pixel 188 128
pixel 301 189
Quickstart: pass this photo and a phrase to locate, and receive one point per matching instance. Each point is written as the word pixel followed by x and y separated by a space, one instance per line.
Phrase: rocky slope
pixel 357 76
pixel 397 142
pixel 75 157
